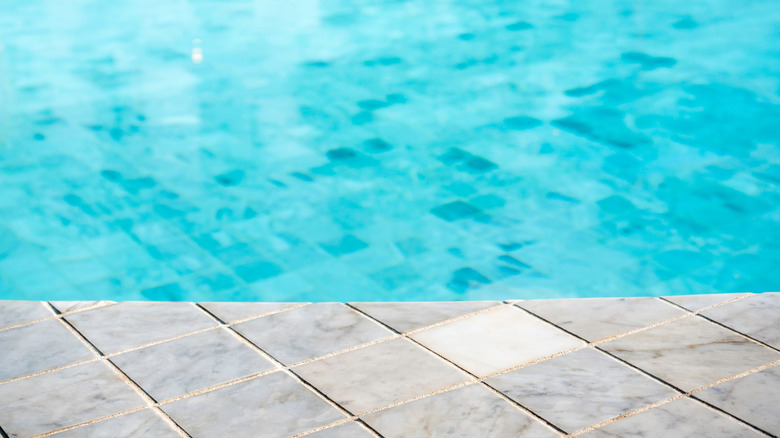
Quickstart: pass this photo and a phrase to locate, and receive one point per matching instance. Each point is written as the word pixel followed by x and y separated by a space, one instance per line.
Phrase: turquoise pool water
pixel 390 150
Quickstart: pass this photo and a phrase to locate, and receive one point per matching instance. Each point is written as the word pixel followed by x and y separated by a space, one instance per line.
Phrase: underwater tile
pixel 347 244
pixel 455 210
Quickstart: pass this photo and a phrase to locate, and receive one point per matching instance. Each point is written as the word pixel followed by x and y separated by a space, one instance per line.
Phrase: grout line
pixel 140 391
pixel 54 316
pixel 281 367
pixel 720 324
pixel 351 417
pixel 711 306
pixel 681 393
pixel 2 433
pixel 476 379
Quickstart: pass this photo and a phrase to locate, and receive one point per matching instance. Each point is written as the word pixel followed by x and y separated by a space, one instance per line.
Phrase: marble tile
pixel 191 363
pixel 39 347
pixel 555 389
pixel 496 340
pixel 140 424
pixel 757 316
pixel 64 398
pixel 378 375
pixel 311 331
pixel 19 312
pixel 754 398
pixel 690 352
pixel 131 324
pixel 471 411
pixel 598 318
pixel 275 405
pixel 352 429
pixel 70 306
pixel 698 302
pixel 230 312
pixel 680 418
pixel 410 316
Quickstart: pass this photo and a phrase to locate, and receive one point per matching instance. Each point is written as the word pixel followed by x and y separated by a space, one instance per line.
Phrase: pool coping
pixel 322 369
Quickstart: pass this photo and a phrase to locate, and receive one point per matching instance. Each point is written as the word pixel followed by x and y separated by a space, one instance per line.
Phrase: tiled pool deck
pixel 697 365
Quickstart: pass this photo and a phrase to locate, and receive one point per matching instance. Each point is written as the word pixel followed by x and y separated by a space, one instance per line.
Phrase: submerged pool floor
pixel 247 150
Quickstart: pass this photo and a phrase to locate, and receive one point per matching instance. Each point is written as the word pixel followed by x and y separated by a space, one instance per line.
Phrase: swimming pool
pixel 391 150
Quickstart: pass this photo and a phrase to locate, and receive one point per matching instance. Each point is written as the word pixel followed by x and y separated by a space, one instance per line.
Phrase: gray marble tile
pixel 378 375
pixel 131 324
pixel 230 312
pixel 496 340
pixel 690 352
pixel 754 398
pixel 64 398
pixel 598 318
pixel 39 347
pixel 680 418
pixel 275 405
pixel 311 331
pixel 191 363
pixel 757 316
pixel 471 411
pixel 140 424
pixel 18 312
pixel 698 302
pixel 410 316
pixel 347 430
pixel 555 389
pixel 70 306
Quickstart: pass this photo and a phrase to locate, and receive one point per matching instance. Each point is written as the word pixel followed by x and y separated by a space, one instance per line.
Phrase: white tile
pixel 126 325
pixel 471 411
pixel 381 374
pixel 496 340
pixel 275 405
pixel 598 318
pixel 754 398
pixel 700 301
pixel 680 418
pixel 757 316
pixel 555 389
pixel 690 352
pixel 405 317
pixel 347 430
pixel 140 424
pixel 18 312
pixel 191 363
pixel 69 306
pixel 64 398
pixel 230 312
pixel 311 331
pixel 39 347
